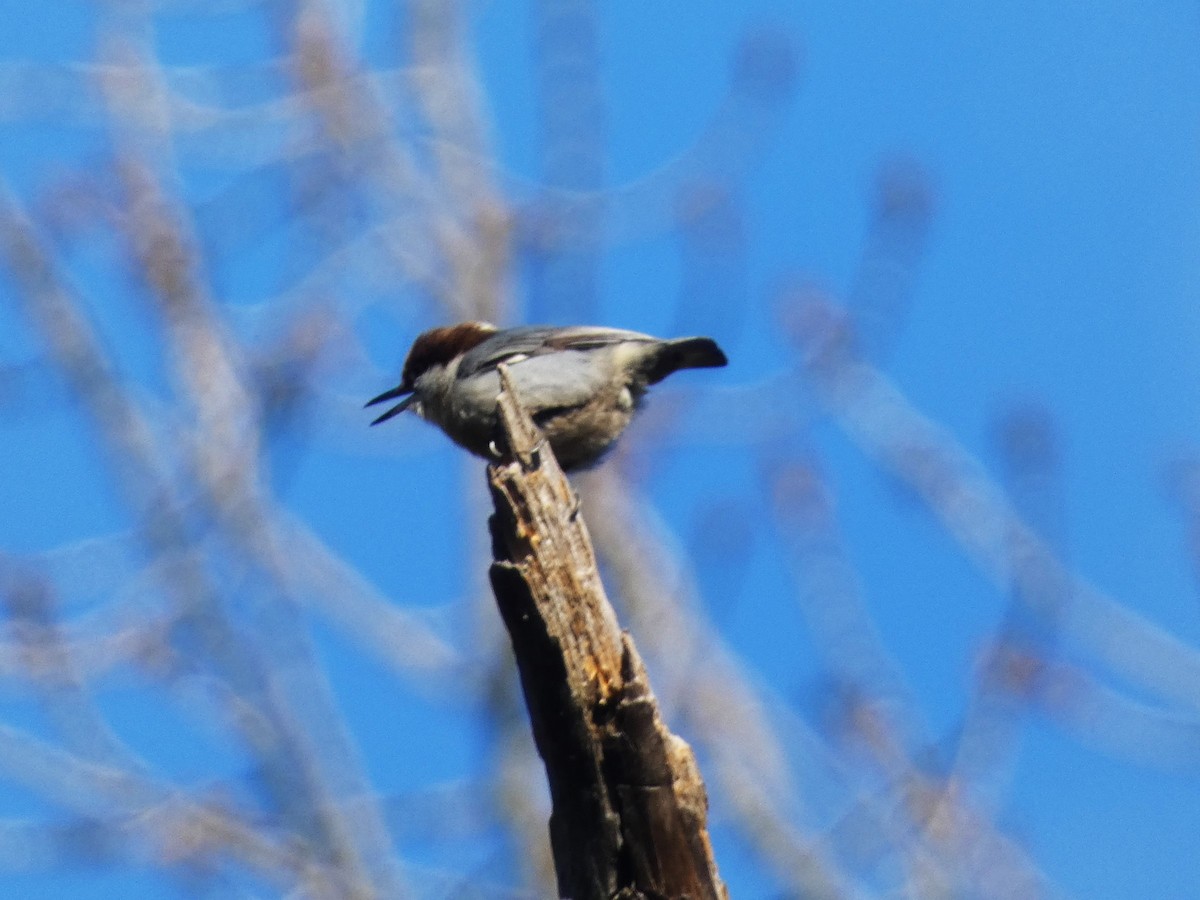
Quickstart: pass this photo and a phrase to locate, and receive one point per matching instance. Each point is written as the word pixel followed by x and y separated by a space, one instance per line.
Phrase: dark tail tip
pixel 687 353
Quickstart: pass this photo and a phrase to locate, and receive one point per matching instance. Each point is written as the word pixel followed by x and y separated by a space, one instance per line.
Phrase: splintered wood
pixel 629 815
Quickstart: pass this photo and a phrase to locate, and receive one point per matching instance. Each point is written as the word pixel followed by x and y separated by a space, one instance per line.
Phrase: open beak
pixel 392 395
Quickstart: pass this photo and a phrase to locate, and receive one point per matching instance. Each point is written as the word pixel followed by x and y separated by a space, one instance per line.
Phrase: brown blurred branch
pixel 630 808
pixel 971 507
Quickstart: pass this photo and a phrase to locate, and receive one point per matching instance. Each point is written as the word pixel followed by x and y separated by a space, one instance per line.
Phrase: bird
pixel 582 385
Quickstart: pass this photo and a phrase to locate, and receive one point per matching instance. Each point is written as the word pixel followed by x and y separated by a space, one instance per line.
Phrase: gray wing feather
pixel 538 340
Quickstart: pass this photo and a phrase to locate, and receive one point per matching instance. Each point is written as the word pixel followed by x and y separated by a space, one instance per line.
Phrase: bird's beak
pixel 392 395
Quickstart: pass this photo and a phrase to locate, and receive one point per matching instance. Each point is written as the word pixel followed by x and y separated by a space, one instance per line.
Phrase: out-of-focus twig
pixel 171 820
pixel 224 459
pixel 877 416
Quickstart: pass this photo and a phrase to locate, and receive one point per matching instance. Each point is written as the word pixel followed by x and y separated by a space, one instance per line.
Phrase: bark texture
pixel 629 815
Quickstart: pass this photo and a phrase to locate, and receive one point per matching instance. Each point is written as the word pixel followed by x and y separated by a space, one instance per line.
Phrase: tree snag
pixel 629 815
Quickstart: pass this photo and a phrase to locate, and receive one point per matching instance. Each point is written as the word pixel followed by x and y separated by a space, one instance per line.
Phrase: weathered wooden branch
pixel 629 815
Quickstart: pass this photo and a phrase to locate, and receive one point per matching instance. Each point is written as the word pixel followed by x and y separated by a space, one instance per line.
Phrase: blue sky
pixel 1060 145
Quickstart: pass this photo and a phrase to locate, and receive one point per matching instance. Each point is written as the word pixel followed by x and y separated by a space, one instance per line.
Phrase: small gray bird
pixel 582 385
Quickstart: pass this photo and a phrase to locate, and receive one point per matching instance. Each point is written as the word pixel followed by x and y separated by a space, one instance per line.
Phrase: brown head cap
pixel 438 346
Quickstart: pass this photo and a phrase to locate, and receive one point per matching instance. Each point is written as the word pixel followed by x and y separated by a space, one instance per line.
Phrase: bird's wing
pixel 518 344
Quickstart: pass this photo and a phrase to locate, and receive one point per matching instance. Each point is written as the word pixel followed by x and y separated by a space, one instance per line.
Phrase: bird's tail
pixel 685 353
